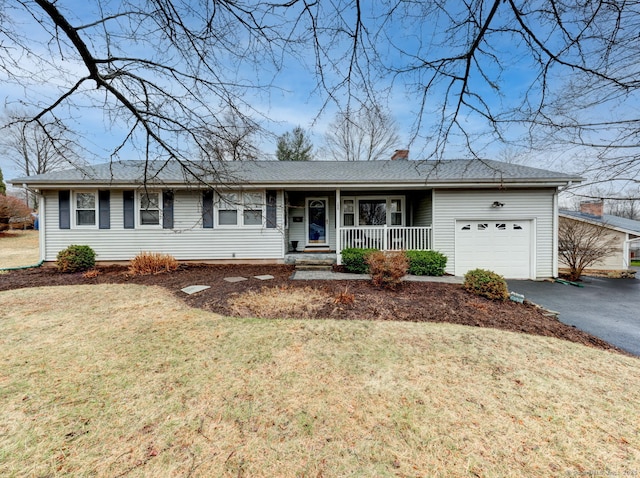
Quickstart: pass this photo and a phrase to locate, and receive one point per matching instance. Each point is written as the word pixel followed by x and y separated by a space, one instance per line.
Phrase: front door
pixel 317 222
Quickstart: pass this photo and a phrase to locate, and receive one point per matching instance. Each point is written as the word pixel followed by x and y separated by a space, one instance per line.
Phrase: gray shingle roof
pixel 628 225
pixel 301 173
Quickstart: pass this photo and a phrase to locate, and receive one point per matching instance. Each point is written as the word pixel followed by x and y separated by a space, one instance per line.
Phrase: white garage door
pixel 500 246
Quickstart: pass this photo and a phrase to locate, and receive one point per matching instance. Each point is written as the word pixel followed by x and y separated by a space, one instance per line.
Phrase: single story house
pixel 625 233
pixel 479 213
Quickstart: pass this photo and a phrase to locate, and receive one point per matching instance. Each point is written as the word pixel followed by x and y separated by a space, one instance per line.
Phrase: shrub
pixel 355 259
pixel 147 263
pixel 387 269
pixel 486 284
pixel 76 259
pixel 426 263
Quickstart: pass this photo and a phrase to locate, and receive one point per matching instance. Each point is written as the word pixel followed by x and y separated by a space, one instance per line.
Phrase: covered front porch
pixel 330 221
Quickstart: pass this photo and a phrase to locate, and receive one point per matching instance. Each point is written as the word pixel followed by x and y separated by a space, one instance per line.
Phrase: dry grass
pixel 122 380
pixel 19 248
pixel 147 263
pixel 279 302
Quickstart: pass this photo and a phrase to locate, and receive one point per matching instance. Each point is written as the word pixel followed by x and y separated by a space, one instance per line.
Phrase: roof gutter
pixel 475 183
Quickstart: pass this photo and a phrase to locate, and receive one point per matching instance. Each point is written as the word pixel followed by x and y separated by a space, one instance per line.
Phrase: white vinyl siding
pixel 188 240
pixel 535 205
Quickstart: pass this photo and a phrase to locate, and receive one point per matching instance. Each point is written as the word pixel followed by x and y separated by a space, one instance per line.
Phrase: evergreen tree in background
pixel 3 186
pixel 294 146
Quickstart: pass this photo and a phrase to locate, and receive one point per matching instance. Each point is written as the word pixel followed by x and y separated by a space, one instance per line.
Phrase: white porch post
pixel 385 245
pixel 338 233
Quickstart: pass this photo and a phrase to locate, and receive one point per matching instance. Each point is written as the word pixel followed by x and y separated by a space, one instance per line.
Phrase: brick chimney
pixel 402 154
pixel 592 208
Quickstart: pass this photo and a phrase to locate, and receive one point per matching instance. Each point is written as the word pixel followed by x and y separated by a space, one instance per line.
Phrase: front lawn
pixel 124 380
pixel 18 248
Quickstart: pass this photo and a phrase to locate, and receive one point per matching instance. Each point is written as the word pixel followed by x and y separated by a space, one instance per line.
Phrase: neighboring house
pixel 621 231
pixel 485 214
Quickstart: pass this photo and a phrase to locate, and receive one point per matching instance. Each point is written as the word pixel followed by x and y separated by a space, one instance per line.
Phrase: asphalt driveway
pixel 606 308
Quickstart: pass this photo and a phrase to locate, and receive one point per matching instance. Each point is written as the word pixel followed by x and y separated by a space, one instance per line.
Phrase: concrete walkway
pixel 329 275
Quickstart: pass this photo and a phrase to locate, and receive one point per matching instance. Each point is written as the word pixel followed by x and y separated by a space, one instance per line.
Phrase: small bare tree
pixel 582 244
pixel 369 134
pixel 37 146
pixel 232 140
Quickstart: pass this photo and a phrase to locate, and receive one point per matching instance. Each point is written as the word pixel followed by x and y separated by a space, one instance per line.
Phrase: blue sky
pixel 295 100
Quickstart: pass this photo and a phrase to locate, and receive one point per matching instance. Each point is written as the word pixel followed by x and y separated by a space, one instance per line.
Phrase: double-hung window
pixel 85 205
pixel 150 204
pixel 241 209
pixel 228 209
pixel 252 213
pixel 348 212
pixel 395 212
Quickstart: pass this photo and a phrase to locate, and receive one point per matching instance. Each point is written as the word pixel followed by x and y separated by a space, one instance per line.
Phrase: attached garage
pixel 505 247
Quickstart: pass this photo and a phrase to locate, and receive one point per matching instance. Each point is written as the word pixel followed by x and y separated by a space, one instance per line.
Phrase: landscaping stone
pixel 235 279
pixel 264 277
pixel 192 289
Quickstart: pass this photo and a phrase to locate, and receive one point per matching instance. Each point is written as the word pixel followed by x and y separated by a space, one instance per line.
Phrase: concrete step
pixel 313 267
pixel 319 262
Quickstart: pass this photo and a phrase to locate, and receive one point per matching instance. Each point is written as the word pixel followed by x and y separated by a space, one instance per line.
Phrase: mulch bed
pixel 413 301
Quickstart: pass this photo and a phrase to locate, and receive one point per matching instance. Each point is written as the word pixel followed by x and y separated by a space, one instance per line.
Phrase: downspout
pixel 556 224
pixel 19 268
pixel 338 231
pixel 41 225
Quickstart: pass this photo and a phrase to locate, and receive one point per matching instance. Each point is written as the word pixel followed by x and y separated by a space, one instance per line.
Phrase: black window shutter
pixel 128 202
pixel 207 209
pixel 167 209
pixel 64 209
pixel 272 216
pixel 104 209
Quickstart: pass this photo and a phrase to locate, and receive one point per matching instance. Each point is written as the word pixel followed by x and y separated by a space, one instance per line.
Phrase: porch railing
pixel 386 238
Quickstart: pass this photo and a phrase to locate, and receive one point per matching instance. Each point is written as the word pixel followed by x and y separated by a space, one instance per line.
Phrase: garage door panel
pixel 500 246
